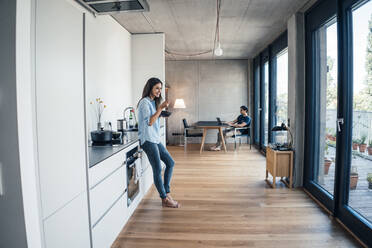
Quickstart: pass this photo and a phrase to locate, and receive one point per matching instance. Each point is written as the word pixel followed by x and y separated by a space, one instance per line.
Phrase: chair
pixel 187 134
pixel 239 135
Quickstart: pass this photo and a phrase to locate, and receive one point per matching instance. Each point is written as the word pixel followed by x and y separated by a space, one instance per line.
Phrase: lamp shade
pixel 180 103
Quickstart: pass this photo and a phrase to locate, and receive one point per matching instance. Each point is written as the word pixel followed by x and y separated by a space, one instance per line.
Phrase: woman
pixel 149 109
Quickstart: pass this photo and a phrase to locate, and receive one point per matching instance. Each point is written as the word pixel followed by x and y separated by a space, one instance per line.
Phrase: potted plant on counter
pixel 370 147
pixel 369 179
pixel 362 144
pixel 98 107
pixel 353 177
pixel 355 144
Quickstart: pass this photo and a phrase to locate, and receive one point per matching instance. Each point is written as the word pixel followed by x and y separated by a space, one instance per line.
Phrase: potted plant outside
pixel 369 179
pixel 353 177
pixel 370 147
pixel 327 161
pixel 333 137
pixel 362 144
pixel 355 144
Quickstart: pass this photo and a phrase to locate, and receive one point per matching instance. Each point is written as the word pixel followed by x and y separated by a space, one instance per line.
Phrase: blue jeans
pixel 155 153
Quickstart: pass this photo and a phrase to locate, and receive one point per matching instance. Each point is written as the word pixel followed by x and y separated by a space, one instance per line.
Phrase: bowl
pixel 165 113
pixel 116 135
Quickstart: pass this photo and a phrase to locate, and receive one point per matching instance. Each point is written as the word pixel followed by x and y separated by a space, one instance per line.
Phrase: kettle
pixel 122 124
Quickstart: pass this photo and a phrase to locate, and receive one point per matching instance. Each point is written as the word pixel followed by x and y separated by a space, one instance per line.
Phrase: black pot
pixel 103 136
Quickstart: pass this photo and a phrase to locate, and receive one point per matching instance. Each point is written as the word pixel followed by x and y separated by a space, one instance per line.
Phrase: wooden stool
pixel 279 164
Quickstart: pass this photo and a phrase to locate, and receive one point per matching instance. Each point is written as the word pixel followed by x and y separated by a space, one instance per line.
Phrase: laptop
pixel 221 123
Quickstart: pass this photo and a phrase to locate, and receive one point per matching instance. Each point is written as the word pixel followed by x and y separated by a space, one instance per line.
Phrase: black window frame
pixel 315 17
pixel 276 47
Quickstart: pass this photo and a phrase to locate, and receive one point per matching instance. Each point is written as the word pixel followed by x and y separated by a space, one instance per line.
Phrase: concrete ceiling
pixel 246 26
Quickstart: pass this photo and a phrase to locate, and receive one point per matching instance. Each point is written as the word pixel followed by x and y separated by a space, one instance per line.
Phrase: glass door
pixel 257 107
pixel 281 89
pixel 278 88
pixel 338 163
pixel 264 101
pixel 360 166
pixel 355 176
pixel 321 103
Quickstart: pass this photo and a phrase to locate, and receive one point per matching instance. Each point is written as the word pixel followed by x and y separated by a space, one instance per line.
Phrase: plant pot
pixel 362 148
pixel 355 146
pixel 369 150
pixel 353 180
pixel 369 185
pixel 327 164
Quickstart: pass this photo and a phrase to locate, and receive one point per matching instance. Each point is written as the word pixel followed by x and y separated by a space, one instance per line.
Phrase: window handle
pixel 340 121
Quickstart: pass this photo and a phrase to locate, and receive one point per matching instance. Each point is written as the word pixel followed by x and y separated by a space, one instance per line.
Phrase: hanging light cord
pixel 216 37
pixel 217 32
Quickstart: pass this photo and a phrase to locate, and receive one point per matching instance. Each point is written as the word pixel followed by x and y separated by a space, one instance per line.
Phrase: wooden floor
pixel 226 203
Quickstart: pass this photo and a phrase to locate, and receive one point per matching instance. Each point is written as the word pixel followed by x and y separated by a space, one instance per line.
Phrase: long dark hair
pixel 148 88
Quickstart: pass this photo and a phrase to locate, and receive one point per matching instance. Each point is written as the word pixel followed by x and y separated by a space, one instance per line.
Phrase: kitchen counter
pixel 99 153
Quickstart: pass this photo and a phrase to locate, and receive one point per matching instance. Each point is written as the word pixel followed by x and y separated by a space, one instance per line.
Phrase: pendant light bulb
pixel 218 51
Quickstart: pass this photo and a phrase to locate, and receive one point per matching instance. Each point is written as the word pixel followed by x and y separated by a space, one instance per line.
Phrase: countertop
pixel 99 153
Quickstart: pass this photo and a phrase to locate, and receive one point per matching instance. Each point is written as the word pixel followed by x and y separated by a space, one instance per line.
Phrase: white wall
pixel 210 88
pixel 108 68
pixel 12 224
pixel 148 61
pixel 27 121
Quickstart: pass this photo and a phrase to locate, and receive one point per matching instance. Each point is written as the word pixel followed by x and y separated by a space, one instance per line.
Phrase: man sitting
pixel 243 120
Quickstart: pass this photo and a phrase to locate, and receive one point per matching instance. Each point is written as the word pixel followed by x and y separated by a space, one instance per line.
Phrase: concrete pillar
pixel 296 91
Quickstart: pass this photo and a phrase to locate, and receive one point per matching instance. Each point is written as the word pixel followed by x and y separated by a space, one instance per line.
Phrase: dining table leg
pixel 203 139
pixel 222 139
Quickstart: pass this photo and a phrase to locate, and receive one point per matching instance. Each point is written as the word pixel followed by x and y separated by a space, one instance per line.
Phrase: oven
pixel 134 172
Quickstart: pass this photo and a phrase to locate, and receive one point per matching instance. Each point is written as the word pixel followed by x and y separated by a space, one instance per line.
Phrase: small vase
pixel 99 126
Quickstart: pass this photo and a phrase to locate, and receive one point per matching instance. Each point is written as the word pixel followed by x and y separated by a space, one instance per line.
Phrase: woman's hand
pixel 164 104
pixel 158 111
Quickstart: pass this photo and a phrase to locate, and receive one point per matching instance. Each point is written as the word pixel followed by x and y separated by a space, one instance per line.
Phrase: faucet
pixel 124 115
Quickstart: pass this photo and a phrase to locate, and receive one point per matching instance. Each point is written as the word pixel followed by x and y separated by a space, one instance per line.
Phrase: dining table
pixel 205 125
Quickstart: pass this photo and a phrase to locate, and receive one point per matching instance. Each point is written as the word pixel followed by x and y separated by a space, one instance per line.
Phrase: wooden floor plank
pixel 226 203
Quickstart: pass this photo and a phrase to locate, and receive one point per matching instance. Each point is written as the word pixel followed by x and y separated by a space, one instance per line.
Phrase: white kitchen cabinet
pixel 100 171
pixel 69 226
pixel 104 194
pixel 147 176
pixel 146 181
pixel 108 228
pixel 60 105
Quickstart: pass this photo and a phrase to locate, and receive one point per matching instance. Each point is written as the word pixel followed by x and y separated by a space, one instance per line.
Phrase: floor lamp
pixel 179 104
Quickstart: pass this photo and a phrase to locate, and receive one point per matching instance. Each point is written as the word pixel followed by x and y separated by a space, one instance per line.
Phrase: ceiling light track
pixel 217 50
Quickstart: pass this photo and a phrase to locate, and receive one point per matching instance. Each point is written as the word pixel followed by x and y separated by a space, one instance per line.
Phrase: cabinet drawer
pixel 104 168
pixel 104 194
pixel 68 227
pixel 106 231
